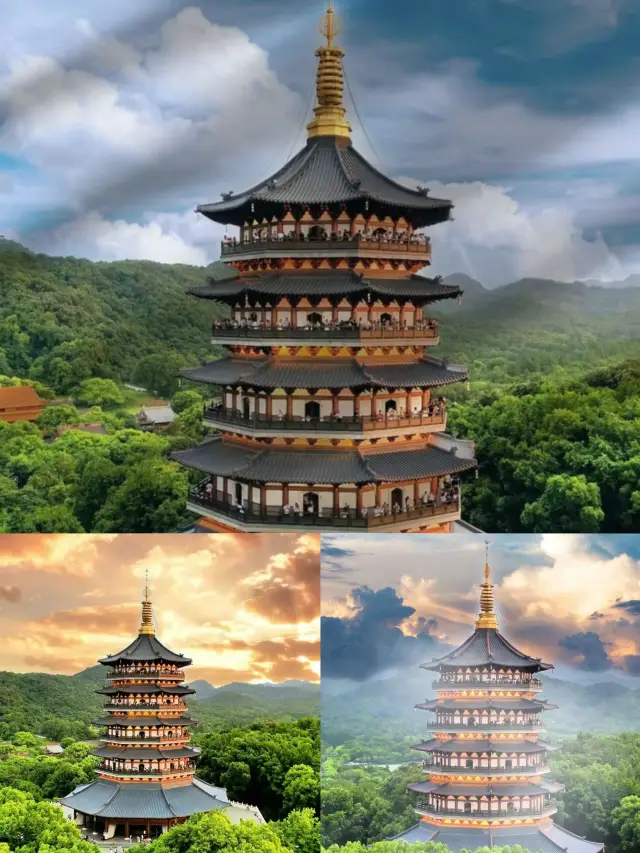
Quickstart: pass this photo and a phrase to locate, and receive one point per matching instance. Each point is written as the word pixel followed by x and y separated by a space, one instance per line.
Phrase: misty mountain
pixel 386 707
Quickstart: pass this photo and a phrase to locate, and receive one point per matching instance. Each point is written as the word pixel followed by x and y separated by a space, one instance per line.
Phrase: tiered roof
pixel 327 173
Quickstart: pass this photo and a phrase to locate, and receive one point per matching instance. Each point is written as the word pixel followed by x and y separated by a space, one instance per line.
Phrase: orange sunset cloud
pixel 244 608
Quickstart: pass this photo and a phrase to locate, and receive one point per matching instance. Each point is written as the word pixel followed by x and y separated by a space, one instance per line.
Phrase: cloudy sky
pixel 572 600
pixel 244 608
pixel 117 119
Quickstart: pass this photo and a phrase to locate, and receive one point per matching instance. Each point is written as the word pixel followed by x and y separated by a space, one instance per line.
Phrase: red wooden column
pixel 416 493
pixel 336 500
pixel 274 316
pixel 289 407
pixel 269 407
pixel 335 404
pixel 263 499
pixel 334 313
pixel 285 494
pixel 234 399
pixel 359 501
pixel 294 315
pixel 425 397
pixel 378 494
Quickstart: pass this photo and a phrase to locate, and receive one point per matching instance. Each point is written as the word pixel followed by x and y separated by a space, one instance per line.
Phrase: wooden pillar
pixel 294 314
pixel 336 500
pixel 289 406
pixel 263 315
pixel 234 399
pixel 374 404
pixel 269 407
pixel 225 488
pixel 359 501
pixel 263 499
pixel 356 405
pixel 334 313
pixel 401 317
pixel 378 494
pixel 407 403
pixel 285 494
pixel 274 316
pixel 335 404
pixel 370 314
pixel 425 397
pixel 416 493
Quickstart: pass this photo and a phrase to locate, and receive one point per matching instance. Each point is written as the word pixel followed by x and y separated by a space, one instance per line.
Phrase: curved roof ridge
pixel 168 804
pixel 362 160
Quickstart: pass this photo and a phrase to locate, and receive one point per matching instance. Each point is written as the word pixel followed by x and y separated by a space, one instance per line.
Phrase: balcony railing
pixel 144 706
pixel 134 673
pixel 321 334
pixel 445 769
pixel 481 684
pixel 300 243
pixel 149 772
pixel 253 514
pixel 143 740
pixel 483 727
pixel 299 423
pixel 550 806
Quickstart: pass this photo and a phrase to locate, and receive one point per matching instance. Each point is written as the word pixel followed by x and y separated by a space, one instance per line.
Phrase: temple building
pixel 488 783
pixel 331 411
pixel 20 403
pixel 146 779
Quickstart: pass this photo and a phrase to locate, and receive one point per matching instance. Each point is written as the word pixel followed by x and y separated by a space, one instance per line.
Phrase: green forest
pixel 553 404
pixel 272 764
pixel 364 805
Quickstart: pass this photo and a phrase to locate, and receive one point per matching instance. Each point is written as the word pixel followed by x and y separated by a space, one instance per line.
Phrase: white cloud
pixel 99 239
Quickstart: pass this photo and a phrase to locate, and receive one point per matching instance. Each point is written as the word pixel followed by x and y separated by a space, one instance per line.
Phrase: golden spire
pixel 329 114
pixel 487 617
pixel 146 626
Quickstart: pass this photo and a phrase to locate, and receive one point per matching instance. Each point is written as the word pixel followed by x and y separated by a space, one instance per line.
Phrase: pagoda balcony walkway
pixel 144 706
pixel 143 740
pixel 142 774
pixel 117 674
pixel 486 772
pixel 253 515
pixel 549 808
pixel 532 726
pixel 299 245
pixel 299 426
pixel 482 684
pixel 332 335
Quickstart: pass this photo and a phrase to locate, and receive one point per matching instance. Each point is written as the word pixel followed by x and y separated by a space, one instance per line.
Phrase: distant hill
pixel 60 705
pixel 533 327
pixel 12 245
pixel 472 288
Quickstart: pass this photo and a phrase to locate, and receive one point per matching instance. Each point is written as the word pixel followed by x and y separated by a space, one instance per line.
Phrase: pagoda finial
pixel 330 113
pixel 146 626
pixel 487 616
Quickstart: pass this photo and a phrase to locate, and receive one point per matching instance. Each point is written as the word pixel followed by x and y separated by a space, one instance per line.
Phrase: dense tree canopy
pixel 273 765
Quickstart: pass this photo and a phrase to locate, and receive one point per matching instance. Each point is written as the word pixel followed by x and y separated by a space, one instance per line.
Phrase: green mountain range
pixel 60 705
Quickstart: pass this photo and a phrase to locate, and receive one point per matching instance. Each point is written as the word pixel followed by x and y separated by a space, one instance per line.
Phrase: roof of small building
pixel 487 647
pixel 544 838
pixel 159 415
pixel 54 749
pixel 425 372
pixel 329 283
pixel 19 396
pixel 284 465
pixel 328 172
pixel 146 800
pixel 146 647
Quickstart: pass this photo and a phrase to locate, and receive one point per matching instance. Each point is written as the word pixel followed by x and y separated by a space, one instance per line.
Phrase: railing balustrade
pixel 126 672
pixel 364 423
pixel 481 682
pixel 507 726
pixel 297 242
pixel 348 332
pixel 550 803
pixel 253 513
pixel 435 768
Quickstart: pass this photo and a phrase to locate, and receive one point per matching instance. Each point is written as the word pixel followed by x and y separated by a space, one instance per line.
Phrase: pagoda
pixel 146 779
pixel 330 412
pixel 488 780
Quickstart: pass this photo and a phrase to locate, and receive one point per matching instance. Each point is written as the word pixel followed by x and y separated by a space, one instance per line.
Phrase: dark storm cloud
pixel 588 651
pixel 631 607
pixel 335 552
pixel 372 642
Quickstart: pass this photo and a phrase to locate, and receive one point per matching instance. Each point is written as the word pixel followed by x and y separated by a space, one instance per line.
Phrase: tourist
pixel 407 505
pixel 296 509
pixel 397 508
